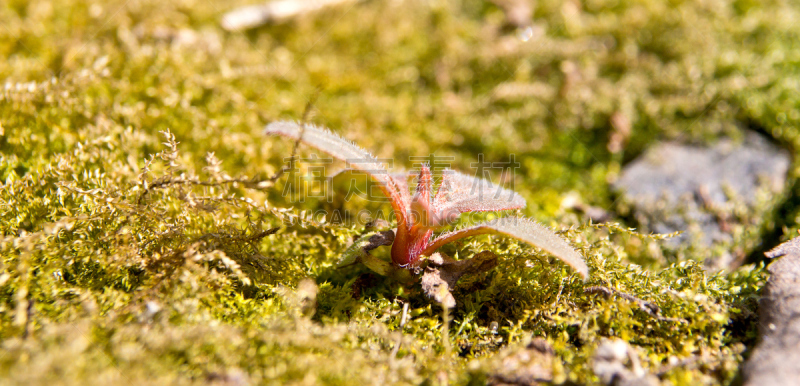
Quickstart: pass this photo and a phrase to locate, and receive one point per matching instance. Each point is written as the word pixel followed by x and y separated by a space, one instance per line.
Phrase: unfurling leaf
pixel 422 214
pixel 401 180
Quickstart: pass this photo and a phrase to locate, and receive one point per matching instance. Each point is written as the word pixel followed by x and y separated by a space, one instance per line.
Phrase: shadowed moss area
pixel 145 241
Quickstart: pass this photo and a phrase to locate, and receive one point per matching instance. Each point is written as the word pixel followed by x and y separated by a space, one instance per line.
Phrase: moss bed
pixel 145 241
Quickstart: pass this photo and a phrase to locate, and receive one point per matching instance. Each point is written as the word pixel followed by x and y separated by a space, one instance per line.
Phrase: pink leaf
pixel 421 212
pixel 424 185
pixel 464 193
pixel 356 157
pixel 522 229
pixel 401 180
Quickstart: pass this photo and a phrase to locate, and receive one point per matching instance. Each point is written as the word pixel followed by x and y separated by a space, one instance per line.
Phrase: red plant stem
pixel 407 252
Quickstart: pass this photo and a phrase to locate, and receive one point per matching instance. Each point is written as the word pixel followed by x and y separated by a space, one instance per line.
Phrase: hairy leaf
pixel 340 148
pixel 523 229
pixel 401 180
pixel 421 212
pixel 465 193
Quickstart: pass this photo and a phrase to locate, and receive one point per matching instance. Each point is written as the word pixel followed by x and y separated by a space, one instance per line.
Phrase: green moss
pixel 100 282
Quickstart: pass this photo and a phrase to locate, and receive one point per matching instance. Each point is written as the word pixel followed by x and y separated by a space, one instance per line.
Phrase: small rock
pixel 677 187
pixel 776 358
pixel 253 16
pixel 531 365
pixel 616 363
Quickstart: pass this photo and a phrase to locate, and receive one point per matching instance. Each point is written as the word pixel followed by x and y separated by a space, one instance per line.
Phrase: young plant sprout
pixel 421 214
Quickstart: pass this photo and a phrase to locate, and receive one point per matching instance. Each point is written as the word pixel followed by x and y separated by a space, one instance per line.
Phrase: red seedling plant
pixel 420 215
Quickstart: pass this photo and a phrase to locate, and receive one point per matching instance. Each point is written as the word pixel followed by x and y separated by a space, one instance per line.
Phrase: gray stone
pixel 677 187
pixel 531 365
pixel 776 359
pixel 616 363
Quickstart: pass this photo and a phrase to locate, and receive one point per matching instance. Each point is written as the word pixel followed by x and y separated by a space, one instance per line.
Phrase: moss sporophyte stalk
pixel 421 214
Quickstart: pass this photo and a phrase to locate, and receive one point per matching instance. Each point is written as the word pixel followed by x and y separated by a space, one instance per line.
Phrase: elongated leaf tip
pixel 331 143
pixel 522 229
pixel 340 148
pixel 543 237
pixel 285 128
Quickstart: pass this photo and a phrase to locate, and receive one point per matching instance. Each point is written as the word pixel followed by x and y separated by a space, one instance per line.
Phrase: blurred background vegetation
pixel 130 254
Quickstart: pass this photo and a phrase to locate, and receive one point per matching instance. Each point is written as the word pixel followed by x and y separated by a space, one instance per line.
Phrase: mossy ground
pixel 192 282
